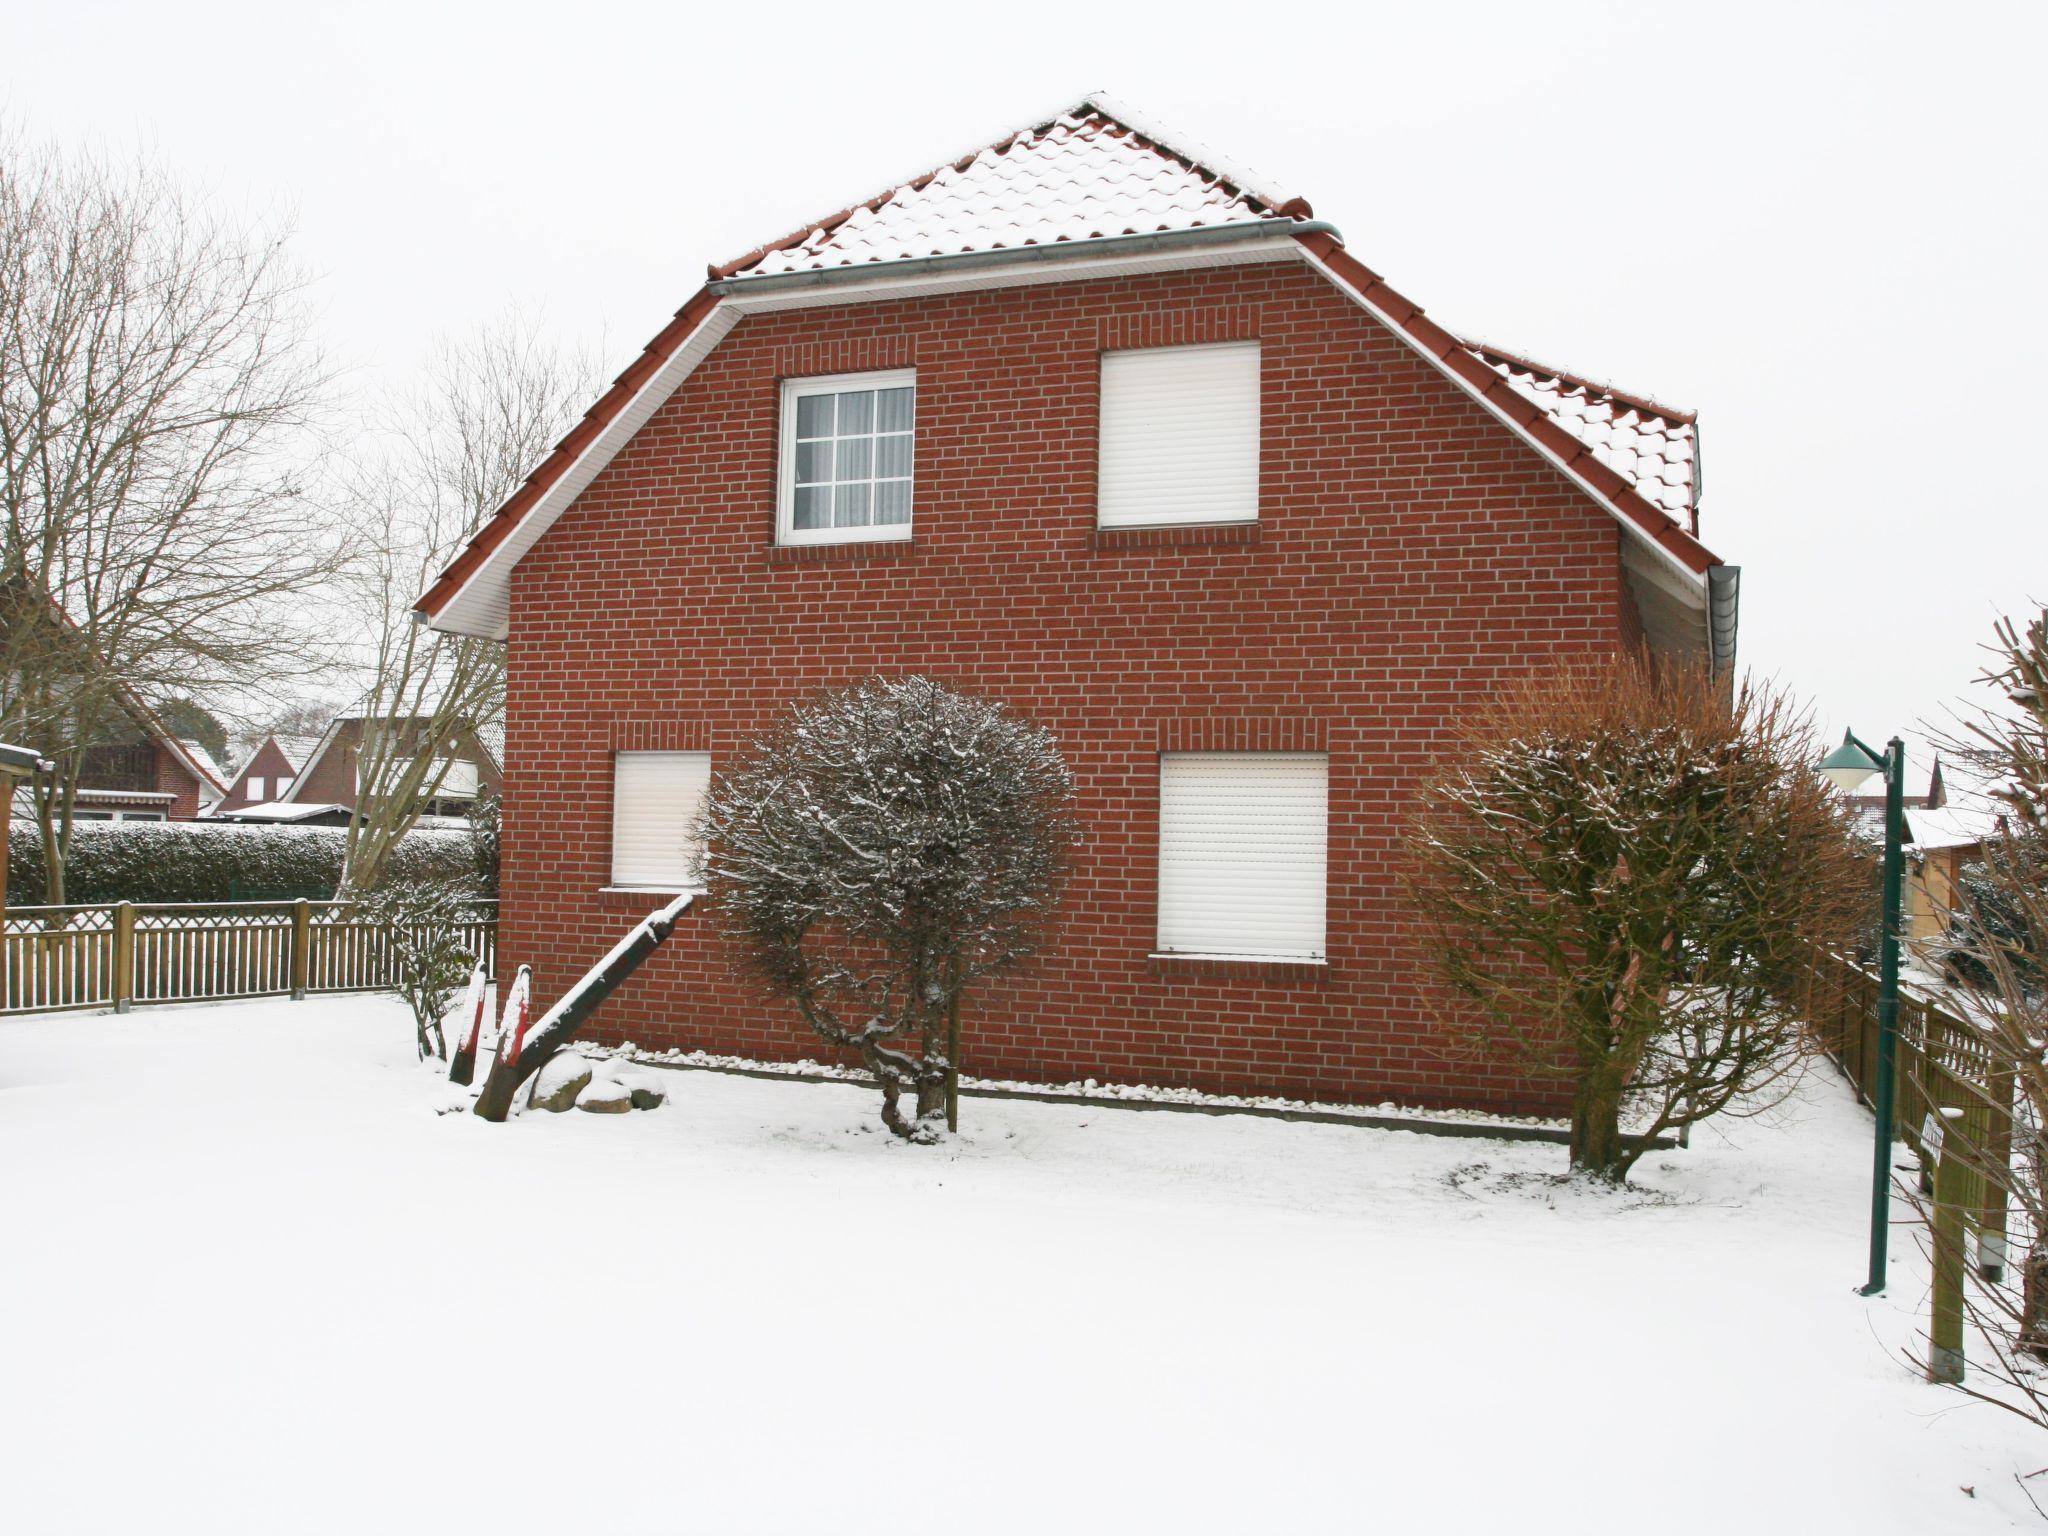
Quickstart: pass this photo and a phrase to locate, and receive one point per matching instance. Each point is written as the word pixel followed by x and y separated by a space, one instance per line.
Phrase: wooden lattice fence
pixel 112 956
pixel 1943 1062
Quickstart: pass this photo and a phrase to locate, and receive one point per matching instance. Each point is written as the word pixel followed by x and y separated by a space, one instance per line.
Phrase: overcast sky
pixel 1822 226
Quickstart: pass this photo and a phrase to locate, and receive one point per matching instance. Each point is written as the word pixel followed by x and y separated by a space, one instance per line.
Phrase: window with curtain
pixel 846 458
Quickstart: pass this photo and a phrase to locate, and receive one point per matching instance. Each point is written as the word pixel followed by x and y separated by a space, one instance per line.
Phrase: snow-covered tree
pixel 880 851
pixel 1621 874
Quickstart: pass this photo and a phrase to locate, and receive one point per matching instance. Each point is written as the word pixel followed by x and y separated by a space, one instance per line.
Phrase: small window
pixel 656 797
pixel 284 785
pixel 846 458
pixel 254 788
pixel 1243 854
pixel 1180 436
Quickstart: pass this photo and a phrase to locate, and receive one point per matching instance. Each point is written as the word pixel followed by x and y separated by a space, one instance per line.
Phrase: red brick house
pixel 329 775
pixel 1093 422
pixel 268 774
pixel 140 772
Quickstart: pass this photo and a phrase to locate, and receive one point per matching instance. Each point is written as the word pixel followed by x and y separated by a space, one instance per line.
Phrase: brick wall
pixel 174 778
pixel 1410 551
pixel 270 765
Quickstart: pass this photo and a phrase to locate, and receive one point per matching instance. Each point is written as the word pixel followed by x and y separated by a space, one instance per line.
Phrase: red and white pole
pixel 463 1069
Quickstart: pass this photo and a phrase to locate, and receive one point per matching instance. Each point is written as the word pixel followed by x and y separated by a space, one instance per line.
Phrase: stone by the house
pixel 556 1085
pixel 647 1096
pixel 606 1096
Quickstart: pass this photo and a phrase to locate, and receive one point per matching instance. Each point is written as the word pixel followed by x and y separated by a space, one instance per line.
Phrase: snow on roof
pixel 1654 447
pixel 1086 174
pixel 1953 826
pixel 296 749
pixel 283 810
pixel 205 760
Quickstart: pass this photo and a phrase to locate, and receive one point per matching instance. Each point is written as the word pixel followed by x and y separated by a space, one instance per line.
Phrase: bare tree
pixel 1999 957
pixel 156 375
pixel 879 852
pixel 1621 874
pixel 490 408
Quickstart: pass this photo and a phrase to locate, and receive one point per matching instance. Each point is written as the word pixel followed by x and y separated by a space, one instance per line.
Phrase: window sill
pixel 641 898
pixel 1177 535
pixel 852 550
pixel 1257 967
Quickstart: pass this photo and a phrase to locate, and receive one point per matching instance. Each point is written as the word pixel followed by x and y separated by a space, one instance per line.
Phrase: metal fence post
pixel 302 946
pixel 124 956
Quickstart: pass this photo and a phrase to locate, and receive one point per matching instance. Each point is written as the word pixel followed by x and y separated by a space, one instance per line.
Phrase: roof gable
pixel 1070 198
pixel 1087 174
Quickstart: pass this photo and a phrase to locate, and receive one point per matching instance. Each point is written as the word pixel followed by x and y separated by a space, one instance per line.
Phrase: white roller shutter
pixel 1180 436
pixel 655 800
pixel 1243 853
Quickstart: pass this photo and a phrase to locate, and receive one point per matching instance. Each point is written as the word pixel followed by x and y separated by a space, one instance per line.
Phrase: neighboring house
pixel 135 769
pixel 269 773
pixel 140 772
pixel 330 776
pixel 1094 423
pixel 1945 833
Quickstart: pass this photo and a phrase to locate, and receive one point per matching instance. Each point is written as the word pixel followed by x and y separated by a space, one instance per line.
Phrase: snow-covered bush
pixel 158 861
pixel 881 850
pixel 1621 875
pixel 422 921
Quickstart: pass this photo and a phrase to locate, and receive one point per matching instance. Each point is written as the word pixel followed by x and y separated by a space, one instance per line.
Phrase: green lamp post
pixel 1846 767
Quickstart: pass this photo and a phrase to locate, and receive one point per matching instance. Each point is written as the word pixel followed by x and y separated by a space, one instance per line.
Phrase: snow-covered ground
pixel 251 1282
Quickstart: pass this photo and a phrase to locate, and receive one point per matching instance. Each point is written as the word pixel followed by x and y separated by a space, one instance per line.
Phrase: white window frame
pixel 668 887
pixel 794 390
pixel 1110 516
pixel 253 787
pixel 283 786
pixel 1226 875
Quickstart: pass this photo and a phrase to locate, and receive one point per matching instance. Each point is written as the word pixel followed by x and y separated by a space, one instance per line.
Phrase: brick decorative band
pixel 1186 534
pixel 1292 972
pixel 1244 733
pixel 1178 327
pixel 661 735
pixel 840 554
pixel 866 353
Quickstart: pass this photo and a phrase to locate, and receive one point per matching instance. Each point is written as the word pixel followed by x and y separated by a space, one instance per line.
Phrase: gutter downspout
pixel 1724 609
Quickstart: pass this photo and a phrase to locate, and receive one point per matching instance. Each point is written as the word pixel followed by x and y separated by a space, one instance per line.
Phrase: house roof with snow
pixel 1096 190
pixel 1655 447
pixel 1097 171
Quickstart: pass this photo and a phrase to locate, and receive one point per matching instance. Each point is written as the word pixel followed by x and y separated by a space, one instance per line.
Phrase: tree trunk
pixel 2034 1304
pixel 1596 1123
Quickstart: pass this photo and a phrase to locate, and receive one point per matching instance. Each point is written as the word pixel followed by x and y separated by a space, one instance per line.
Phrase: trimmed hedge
pixel 157 861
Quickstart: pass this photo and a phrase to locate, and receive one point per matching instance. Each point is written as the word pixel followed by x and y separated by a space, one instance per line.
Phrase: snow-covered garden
pixel 256 1283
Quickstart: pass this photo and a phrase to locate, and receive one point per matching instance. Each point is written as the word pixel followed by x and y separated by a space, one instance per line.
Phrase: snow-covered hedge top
pixel 157 861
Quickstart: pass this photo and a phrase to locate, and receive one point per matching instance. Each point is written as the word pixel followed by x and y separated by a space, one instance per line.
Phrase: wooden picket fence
pixel 114 956
pixel 1942 1063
